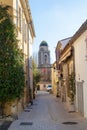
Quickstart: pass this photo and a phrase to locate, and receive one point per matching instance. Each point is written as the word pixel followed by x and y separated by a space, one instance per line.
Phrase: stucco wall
pixel 9 2
pixel 81 66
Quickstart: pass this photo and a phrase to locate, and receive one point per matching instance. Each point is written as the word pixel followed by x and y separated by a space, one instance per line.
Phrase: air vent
pixel 26 123
pixel 70 123
pixel 26 110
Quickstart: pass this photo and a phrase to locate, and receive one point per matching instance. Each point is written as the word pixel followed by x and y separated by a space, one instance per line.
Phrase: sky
pixel 55 20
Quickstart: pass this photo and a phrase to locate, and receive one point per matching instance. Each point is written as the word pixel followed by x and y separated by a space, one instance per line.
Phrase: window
pixel 17 13
pixel 45 59
pixel 20 19
pixel 86 48
pixel 23 25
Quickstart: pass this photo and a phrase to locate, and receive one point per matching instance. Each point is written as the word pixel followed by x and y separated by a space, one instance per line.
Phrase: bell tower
pixel 43 55
pixel 44 65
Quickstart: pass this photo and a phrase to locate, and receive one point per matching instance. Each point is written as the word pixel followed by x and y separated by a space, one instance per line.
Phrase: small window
pixel 20 19
pixel 45 59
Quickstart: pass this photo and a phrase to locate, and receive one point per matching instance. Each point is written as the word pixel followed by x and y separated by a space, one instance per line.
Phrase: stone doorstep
pixel 6 118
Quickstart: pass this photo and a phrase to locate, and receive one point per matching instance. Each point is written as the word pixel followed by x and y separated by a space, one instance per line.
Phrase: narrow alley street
pixel 48 113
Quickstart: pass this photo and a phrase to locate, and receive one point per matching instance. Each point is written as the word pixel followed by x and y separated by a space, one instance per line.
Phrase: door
pixel 80 97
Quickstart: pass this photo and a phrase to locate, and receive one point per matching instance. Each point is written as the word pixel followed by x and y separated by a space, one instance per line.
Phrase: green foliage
pixel 72 86
pixel 11 59
pixel 36 75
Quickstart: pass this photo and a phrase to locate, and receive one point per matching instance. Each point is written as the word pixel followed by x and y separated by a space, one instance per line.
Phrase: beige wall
pixel 8 2
pixel 54 79
pixel 80 46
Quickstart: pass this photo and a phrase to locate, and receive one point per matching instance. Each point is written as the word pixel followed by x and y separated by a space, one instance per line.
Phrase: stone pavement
pixel 48 113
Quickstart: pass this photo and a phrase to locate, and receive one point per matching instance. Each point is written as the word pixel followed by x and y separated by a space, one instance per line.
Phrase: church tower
pixel 44 64
pixel 43 55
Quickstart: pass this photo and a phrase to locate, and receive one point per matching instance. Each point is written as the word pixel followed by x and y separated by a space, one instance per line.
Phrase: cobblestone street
pixel 48 113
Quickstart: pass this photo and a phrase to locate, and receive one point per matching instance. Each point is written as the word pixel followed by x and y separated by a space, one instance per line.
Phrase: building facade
pixel 54 76
pixel 73 59
pixel 79 42
pixel 25 33
pixel 59 65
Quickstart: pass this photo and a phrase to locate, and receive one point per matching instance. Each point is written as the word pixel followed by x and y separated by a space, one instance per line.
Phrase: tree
pixel 11 59
pixel 36 77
